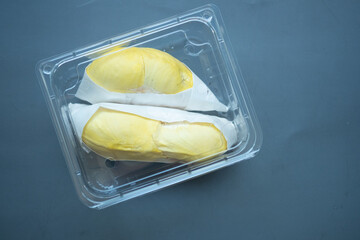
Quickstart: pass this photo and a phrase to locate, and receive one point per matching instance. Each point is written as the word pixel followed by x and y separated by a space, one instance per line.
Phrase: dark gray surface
pixel 300 60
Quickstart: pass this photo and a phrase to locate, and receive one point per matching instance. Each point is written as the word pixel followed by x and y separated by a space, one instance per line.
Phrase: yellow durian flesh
pixel 118 135
pixel 123 71
pixel 136 70
pixel 164 73
pixel 125 136
pixel 190 141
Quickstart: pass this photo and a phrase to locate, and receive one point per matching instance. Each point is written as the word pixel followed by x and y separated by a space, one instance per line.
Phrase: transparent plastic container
pixel 198 39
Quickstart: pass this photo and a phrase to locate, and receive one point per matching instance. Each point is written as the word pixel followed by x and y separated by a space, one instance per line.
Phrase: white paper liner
pixel 199 97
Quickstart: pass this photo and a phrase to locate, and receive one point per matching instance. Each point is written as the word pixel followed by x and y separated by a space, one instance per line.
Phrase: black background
pixel 300 61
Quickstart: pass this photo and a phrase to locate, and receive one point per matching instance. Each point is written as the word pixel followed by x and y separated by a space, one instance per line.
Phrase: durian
pixel 145 76
pixel 153 134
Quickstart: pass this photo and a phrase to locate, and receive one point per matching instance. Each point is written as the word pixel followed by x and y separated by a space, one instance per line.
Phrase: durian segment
pixel 164 73
pixel 120 136
pixel 124 136
pixel 143 133
pixel 123 71
pixel 134 70
pixel 190 141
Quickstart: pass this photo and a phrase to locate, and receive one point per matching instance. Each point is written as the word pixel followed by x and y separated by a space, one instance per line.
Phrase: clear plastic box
pixel 198 39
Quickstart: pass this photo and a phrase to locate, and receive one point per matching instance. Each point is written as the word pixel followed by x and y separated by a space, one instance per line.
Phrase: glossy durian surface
pixel 140 70
pixel 120 135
